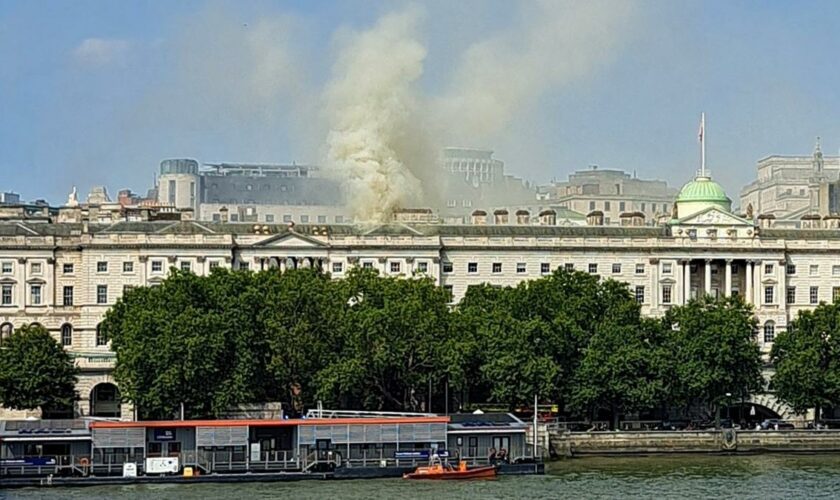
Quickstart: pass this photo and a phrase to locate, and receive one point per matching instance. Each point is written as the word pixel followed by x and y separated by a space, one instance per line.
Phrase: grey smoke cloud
pixel 255 87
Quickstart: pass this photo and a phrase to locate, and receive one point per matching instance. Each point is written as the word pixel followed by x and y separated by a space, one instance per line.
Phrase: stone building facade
pixel 65 275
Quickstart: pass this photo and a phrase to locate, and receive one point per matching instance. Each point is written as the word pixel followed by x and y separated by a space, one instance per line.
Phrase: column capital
pixel 728 261
pixel 654 260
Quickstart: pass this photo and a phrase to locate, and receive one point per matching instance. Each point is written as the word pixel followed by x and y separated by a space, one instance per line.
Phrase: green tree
pixel 302 318
pixel 178 343
pixel 393 334
pixel 712 350
pixel 36 372
pixel 623 369
pixel 806 358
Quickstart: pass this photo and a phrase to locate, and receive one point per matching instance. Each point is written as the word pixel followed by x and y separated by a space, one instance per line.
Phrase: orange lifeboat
pixel 440 471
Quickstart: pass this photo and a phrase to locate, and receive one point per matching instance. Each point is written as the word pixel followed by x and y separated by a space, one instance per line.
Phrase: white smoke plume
pixel 372 109
pixel 552 44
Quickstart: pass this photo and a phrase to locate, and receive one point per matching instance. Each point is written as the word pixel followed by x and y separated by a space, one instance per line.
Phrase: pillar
pixel 748 293
pixel 687 282
pixel 707 278
pixel 727 285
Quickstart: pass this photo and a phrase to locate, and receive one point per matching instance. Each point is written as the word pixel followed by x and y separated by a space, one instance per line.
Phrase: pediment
pixel 291 240
pixel 713 216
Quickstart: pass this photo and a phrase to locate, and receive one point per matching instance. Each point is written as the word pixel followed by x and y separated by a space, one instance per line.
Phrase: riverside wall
pixel 570 444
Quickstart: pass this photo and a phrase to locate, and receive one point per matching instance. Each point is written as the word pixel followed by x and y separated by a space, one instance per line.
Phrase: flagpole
pixel 703 145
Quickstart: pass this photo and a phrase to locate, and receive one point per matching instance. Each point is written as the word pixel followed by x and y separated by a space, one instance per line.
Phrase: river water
pixel 758 476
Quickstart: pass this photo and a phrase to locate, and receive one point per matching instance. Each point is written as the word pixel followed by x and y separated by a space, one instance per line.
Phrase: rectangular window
pixel 339 219
pixel 640 269
pixel 7 267
pixel 217 217
pixel 835 270
pixel 185 266
pixel 768 294
pixel 337 267
pixel 447 267
pixel 68 296
pixel 269 217
pixel 640 294
pixel 234 217
pixel 616 268
pixel 621 206
pixel 367 265
pixel 101 294
pixel 790 297
pixel 214 264
pixel 814 295
pixel 497 267
pixel 100 337
pixel 304 219
pixel 835 293
pixel 171 192
pixel 569 267
pixel 322 219
pixel 6 295
pixel 35 295
pixel 68 268
pixel 35 268
pixel 607 206
pixel 101 267
pixel 545 268
pixel 593 268
pixel 814 269
pixel 791 269
pixel 643 207
pixel 157 266
pixel 127 288
pixel 591 205
pixel 244 266
pixel 667 268
pixel 287 218
pixel 395 267
pixel 666 294
pixel 448 289
pixel 520 267
pixel 472 267
pixel 128 266
pixel 768 268
pixel 422 267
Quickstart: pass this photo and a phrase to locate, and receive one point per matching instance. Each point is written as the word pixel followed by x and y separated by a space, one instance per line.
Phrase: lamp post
pixel 729 407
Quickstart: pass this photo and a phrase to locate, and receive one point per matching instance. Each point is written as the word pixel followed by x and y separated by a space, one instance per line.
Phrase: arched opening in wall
pixel 35 325
pixel 748 415
pixel 6 330
pixel 105 400
pixel 67 335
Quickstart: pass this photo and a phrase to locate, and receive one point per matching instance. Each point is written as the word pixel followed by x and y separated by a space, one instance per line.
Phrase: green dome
pixel 703 189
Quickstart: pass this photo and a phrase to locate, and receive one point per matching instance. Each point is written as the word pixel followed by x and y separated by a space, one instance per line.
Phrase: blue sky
pixel 98 92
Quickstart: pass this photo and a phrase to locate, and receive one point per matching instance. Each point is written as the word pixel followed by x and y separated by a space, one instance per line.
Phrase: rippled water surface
pixel 760 476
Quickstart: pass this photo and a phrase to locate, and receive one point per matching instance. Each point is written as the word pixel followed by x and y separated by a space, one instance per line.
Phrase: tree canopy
pixel 388 343
pixel 36 372
pixel 807 360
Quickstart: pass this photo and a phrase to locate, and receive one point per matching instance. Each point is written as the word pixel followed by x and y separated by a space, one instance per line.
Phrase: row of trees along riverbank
pixel 371 342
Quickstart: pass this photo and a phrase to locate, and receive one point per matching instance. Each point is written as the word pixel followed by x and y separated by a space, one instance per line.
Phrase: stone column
pixel 748 293
pixel 781 293
pixel 727 285
pixel 687 282
pixel 654 285
pixel 707 278
pixel 282 264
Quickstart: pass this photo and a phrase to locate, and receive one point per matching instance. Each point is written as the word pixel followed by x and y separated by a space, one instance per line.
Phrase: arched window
pixel 6 330
pixel 769 331
pixel 100 336
pixel 67 334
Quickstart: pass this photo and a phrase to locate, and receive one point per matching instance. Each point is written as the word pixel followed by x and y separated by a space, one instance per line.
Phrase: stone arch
pixel 105 400
pixel 771 403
